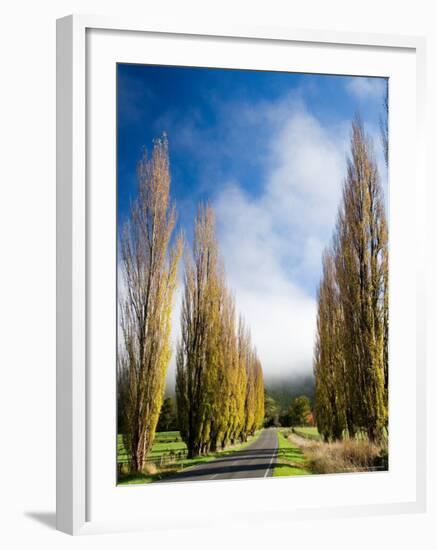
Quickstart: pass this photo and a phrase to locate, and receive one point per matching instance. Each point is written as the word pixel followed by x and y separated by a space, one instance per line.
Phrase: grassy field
pixel 166 442
pixel 291 461
pixel 307 431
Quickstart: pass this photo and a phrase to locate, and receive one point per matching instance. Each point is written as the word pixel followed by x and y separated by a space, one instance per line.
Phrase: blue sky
pixel 268 150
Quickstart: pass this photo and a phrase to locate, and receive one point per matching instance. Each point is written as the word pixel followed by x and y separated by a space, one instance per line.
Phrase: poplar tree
pixel 224 398
pixel 361 264
pixel 351 349
pixel 149 268
pixel 254 395
pixel 259 394
pixel 219 382
pixel 197 356
pixel 329 367
pixel 238 390
pixel 244 344
pixel 385 146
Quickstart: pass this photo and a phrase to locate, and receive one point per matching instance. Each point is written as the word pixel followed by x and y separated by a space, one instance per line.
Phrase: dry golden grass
pixel 150 469
pixel 341 456
pixel 124 468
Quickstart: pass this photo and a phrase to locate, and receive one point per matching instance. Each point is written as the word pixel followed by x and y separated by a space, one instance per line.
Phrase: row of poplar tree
pixel 219 382
pixel 351 348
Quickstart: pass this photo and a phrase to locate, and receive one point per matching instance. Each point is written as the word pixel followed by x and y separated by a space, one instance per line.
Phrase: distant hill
pixel 284 389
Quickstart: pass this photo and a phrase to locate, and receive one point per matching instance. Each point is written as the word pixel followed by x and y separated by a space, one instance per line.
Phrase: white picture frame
pixel 74 346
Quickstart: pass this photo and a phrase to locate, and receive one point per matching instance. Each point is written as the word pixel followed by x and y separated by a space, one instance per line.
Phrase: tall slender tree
pixel 219 382
pixel 328 359
pixel 149 268
pixel 238 388
pixel 224 407
pixel 361 261
pixel 351 357
pixel 259 394
pixel 197 358
pixel 385 146
pixel 254 401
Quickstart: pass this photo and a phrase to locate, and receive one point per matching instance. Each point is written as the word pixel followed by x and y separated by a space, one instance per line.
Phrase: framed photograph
pixel 240 275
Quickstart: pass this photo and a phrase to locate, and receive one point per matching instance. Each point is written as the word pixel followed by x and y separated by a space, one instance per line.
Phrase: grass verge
pixel 291 461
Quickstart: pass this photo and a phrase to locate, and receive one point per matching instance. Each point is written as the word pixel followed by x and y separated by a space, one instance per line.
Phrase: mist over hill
pixel 285 388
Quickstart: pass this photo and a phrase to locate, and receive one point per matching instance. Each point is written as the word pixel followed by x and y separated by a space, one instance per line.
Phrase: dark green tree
pixel 299 411
pixel 167 418
pixel 271 411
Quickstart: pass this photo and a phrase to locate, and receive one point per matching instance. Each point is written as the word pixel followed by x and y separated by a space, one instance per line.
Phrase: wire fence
pixel 159 460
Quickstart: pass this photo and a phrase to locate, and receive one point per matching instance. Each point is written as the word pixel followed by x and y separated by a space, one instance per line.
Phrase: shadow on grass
pixel 295 453
pixel 291 460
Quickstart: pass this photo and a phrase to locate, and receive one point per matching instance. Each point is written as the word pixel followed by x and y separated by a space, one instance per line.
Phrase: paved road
pixel 256 460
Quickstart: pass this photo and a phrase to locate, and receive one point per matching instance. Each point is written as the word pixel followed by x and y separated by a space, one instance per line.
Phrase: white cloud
pixel 365 87
pixel 272 243
pixel 280 315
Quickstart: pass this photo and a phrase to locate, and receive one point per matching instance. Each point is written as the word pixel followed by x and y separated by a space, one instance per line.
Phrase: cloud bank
pixel 272 243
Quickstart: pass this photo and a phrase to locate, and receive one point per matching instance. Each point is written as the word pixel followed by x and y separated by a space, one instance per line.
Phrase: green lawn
pixel 164 442
pixel 291 461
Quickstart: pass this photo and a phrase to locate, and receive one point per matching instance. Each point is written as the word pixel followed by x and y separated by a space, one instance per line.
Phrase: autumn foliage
pixel 219 385
pixel 219 381
pixel 351 349
pixel 149 270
